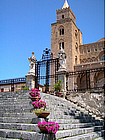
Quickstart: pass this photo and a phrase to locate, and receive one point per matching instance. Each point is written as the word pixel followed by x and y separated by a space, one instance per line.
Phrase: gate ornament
pixel 46 54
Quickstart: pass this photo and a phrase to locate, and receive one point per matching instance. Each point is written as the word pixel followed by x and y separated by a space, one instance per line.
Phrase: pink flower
pixel 39 104
pixel 34 92
pixel 43 123
pixel 51 127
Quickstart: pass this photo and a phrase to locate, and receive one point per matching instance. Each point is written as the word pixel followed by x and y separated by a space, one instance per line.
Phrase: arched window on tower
pixel 75 60
pixel 76 34
pixel 62 16
pixel 76 47
pixel 61 30
pixel 61 44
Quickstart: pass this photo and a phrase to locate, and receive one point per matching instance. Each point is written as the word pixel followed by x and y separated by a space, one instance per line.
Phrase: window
pixel 61 44
pixel 2 89
pixel 76 47
pixel 61 31
pixel 62 16
pixel 76 60
pixel 76 34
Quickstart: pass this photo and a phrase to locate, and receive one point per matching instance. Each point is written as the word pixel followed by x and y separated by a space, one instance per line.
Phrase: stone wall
pixel 92 52
pixel 93 102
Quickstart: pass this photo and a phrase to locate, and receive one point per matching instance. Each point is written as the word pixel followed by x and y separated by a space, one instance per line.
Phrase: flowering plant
pixel 39 104
pixel 34 92
pixel 50 127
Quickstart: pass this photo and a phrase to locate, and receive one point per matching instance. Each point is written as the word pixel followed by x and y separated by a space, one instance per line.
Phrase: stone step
pixel 88 136
pixel 53 108
pixel 61 113
pixel 30 120
pixel 16 106
pixel 67 121
pixel 29 105
pixel 15 96
pixel 26 135
pixel 18 134
pixel 16 111
pixel 15 120
pixel 74 121
pixel 51 116
pixel 16 103
pixel 15 100
pixel 80 125
pixel 71 110
pixel 8 139
pixel 34 127
pixel 21 126
pixel 29 101
pixel 20 110
pixel 56 103
pixel 61 116
pixel 53 111
pixel 20 115
pixel 73 132
pixel 77 109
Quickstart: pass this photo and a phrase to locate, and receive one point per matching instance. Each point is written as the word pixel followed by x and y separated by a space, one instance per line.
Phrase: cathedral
pixel 79 56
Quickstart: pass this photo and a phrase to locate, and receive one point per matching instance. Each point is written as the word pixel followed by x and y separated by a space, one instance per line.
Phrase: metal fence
pixel 10 83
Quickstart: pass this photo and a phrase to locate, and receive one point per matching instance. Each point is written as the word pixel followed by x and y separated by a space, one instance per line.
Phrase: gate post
pixel 62 77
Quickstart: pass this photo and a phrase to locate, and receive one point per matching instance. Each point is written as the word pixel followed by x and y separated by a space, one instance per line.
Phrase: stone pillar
pixel 30 81
pixel 62 76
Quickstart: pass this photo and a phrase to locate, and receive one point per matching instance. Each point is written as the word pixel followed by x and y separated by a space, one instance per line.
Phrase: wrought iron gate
pixel 43 70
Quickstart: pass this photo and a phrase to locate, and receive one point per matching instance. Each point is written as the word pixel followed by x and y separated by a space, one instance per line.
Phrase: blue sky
pixel 25 26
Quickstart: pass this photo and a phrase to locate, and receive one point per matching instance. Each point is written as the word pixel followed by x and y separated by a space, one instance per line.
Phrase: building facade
pixel 79 56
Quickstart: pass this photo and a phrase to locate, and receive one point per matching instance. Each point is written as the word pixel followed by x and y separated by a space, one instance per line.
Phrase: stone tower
pixel 65 33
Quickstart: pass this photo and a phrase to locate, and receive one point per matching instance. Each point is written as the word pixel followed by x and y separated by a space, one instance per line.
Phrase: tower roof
pixel 66 5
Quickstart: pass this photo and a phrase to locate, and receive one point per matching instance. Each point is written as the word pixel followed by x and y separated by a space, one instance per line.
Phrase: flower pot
pixel 42 114
pixel 42 129
pixel 35 98
pixel 59 94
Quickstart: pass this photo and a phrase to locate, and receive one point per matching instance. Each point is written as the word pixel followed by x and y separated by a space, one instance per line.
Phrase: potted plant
pixel 57 88
pixel 41 113
pixel 48 127
pixel 40 109
pixel 34 94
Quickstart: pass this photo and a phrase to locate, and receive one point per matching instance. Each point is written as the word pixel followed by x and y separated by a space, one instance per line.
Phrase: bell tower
pixel 66 34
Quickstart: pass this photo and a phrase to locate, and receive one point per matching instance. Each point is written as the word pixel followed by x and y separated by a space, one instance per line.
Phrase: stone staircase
pixel 17 121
